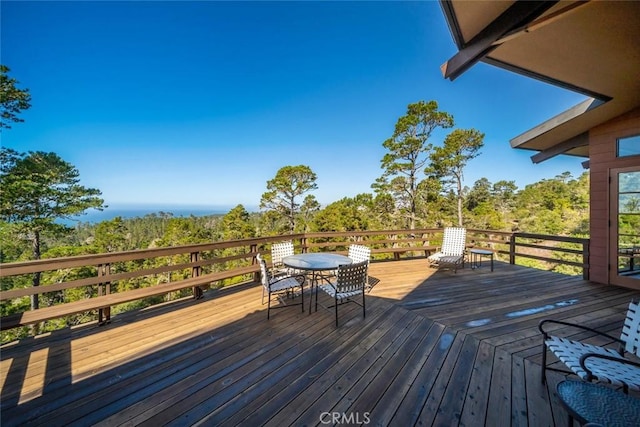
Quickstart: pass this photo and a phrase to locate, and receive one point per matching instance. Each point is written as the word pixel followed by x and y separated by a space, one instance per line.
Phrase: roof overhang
pixel 590 47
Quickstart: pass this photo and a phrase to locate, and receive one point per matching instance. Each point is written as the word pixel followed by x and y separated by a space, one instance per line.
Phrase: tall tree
pixel 479 193
pixel 406 156
pixel 111 236
pixel 12 99
pixel 36 189
pixel 504 194
pixel 285 188
pixel 308 210
pixel 448 162
pixel 236 224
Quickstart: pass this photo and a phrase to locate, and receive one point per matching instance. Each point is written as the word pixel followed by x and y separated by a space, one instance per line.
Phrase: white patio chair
pixel 451 253
pixel 278 252
pixel 286 286
pixel 349 282
pixel 591 362
pixel 359 253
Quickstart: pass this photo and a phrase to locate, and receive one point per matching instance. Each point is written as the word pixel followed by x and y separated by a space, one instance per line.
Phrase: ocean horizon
pixel 139 211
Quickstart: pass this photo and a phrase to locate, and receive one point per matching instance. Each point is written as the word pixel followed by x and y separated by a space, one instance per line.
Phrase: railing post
pixel 303 244
pixel 104 288
pixel 585 259
pixel 195 272
pixel 254 249
pixel 512 249
pixel 396 255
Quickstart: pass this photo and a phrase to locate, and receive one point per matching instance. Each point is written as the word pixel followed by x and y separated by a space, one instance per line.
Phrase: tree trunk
pixel 459 202
pixel 412 216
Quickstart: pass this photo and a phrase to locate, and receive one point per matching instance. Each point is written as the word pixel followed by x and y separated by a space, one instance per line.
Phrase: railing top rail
pixel 34 266
pixel 550 237
pixel 370 232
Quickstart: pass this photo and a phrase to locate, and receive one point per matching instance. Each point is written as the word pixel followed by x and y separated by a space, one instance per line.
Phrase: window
pixel 629 224
pixel 629 146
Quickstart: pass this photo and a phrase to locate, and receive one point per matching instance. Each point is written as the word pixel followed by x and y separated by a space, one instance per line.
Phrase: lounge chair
pixel 451 253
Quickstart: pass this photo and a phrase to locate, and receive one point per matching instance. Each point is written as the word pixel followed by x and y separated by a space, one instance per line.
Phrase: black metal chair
pixel 350 282
pixel 280 286
pixel 591 362
pixel 278 252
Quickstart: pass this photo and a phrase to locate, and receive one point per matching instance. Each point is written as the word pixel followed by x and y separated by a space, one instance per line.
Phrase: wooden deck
pixel 436 348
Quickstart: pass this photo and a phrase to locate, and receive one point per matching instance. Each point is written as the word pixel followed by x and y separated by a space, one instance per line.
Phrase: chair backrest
pixel 454 240
pixel 264 272
pixel 631 330
pixel 359 253
pixel 352 277
pixel 279 251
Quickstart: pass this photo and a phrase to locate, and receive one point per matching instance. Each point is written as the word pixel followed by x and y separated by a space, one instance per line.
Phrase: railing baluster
pixel 104 288
pixel 253 249
pixel 195 272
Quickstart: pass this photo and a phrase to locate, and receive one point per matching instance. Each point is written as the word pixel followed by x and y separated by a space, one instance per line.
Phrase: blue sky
pixel 200 103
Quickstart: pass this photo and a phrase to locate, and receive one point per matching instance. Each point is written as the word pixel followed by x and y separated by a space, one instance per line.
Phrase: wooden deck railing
pixel 109 279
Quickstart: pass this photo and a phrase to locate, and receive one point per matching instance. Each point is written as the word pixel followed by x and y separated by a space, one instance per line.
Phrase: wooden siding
pixel 602 157
pixel 436 348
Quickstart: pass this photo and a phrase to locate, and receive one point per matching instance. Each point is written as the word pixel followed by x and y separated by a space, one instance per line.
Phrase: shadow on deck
pixel 436 348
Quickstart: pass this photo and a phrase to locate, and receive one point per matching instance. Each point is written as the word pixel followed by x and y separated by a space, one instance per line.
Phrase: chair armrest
pixel 582 327
pixel 620 359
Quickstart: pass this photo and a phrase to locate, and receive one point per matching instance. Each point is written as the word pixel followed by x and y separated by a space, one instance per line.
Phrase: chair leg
pixel 302 296
pixel 268 304
pixel 543 368
pixel 336 304
pixel 364 313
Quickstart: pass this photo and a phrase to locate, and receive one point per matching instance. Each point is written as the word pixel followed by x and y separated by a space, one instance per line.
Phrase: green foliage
pixel 283 190
pixel 308 210
pixel 348 214
pixel 36 189
pixel 448 162
pixel 407 154
pixel 554 206
pixel 12 99
pixel 236 224
pixel 111 236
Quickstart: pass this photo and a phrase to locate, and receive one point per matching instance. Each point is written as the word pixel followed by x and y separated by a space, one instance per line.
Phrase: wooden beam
pixel 541 22
pixel 559 120
pixel 517 16
pixel 561 148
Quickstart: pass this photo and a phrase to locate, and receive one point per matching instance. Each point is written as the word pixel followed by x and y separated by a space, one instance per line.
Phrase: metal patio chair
pixel 279 251
pixel 350 282
pixel 451 253
pixel 281 287
pixel 598 363
pixel 359 253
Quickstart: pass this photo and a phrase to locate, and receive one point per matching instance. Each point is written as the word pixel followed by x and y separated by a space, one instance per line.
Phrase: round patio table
pixel 593 403
pixel 315 262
